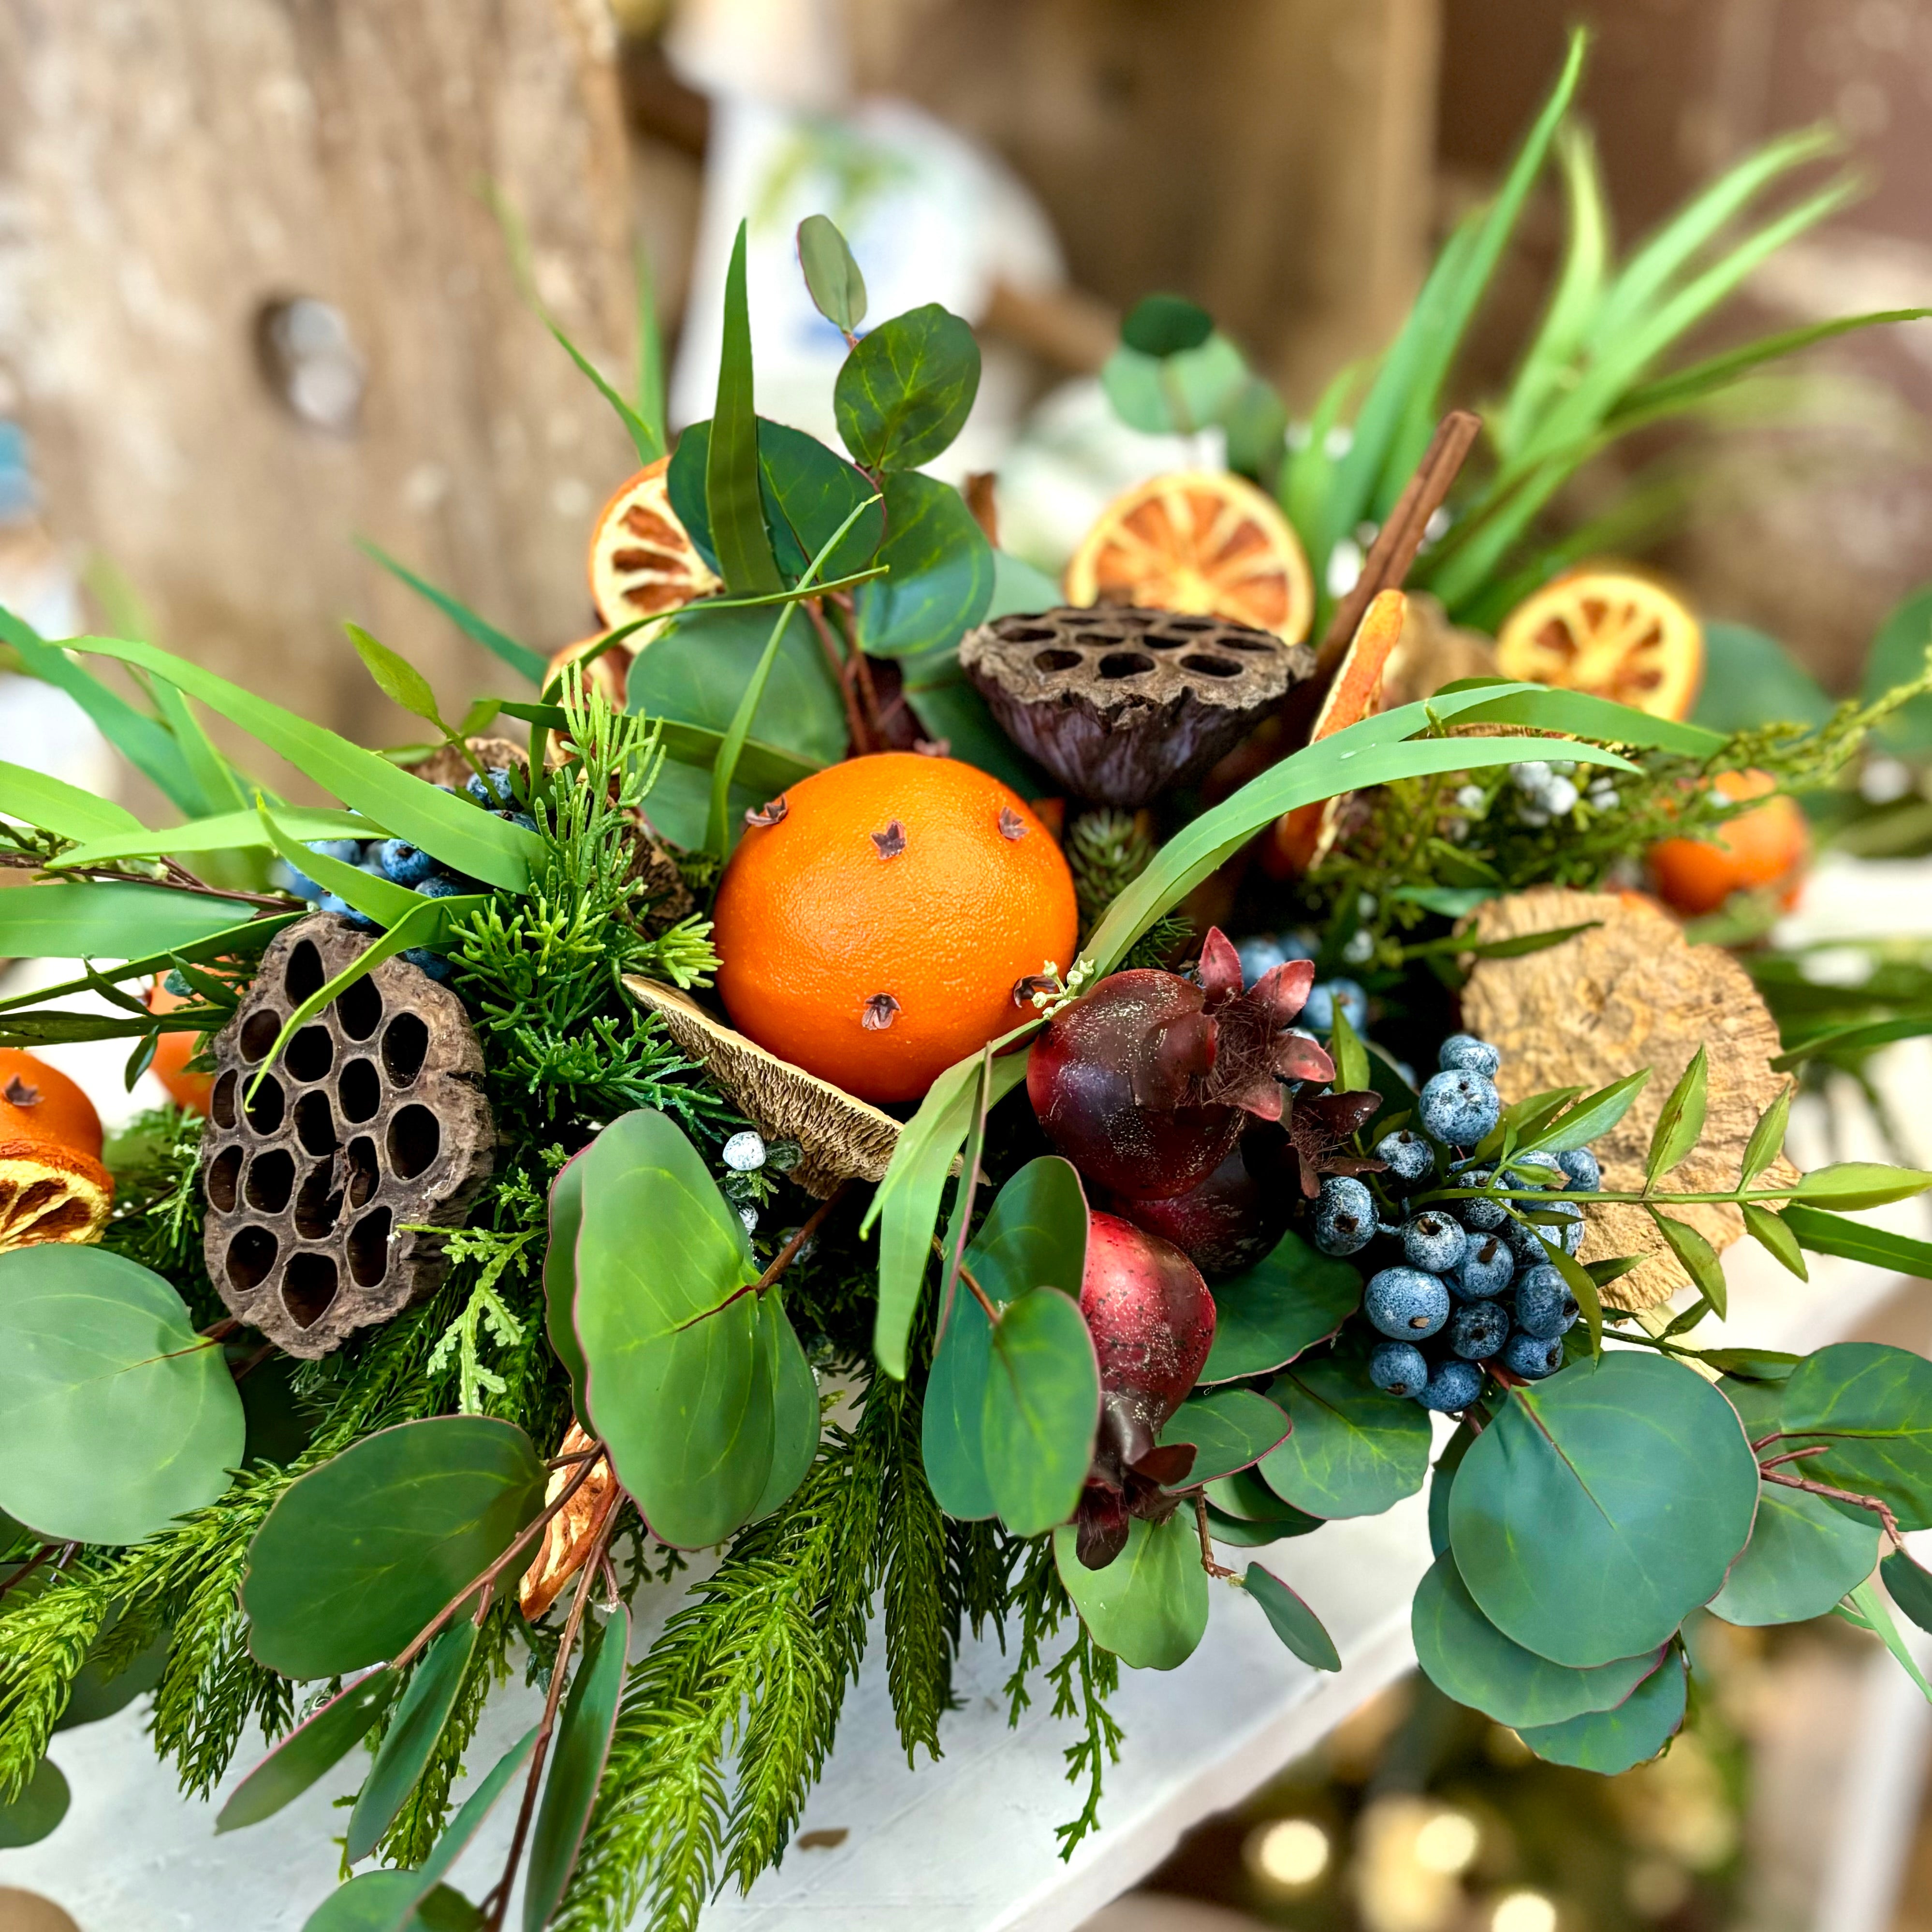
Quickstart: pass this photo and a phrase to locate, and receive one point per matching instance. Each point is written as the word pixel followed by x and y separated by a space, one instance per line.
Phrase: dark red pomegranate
pixel 1234 1217
pixel 1152 1320
pixel 1146 1083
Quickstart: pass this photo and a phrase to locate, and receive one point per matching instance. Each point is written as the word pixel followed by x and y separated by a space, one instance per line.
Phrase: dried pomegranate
pixel 1234 1217
pixel 1146 1083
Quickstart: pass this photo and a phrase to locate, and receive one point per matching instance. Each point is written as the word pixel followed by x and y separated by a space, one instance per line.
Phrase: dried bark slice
pixel 568 1536
pixel 843 1138
pixel 1633 993
pixel 371 1127
pixel 1120 704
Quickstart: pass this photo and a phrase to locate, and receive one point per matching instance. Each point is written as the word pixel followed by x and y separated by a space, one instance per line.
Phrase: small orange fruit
pixel 641 562
pixel 187 1091
pixel 1611 632
pixel 39 1102
pixel 875 918
pixel 1200 542
pixel 1766 847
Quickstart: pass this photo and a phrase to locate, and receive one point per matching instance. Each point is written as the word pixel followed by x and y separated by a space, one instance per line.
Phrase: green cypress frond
pixel 921 1635
pixel 1107 853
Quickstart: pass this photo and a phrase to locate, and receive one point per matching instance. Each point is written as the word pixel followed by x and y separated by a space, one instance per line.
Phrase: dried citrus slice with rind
pixel 48 1192
pixel 1610 631
pixel 642 563
pixel 1199 542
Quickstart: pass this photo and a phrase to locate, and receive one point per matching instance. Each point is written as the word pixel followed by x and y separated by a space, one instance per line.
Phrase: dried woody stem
pixel 1400 537
pixel 498 1903
pixel 487 1581
pixel 1769 1471
pixel 1207 1562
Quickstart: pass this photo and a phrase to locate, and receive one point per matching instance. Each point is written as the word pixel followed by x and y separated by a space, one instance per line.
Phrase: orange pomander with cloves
pixel 875 919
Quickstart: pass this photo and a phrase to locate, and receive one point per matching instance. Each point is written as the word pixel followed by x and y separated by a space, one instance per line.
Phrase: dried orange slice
pixel 570 1534
pixel 642 564
pixel 1610 630
pixel 609 672
pixel 48 1192
pixel 1200 542
pixel 1299 839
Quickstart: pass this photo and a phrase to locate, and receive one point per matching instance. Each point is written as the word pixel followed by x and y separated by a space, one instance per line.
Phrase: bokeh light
pixel 1290 1853
pixel 1447 1843
pixel 1523 1912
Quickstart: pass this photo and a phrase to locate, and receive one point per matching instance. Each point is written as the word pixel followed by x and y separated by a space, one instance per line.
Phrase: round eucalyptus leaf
pixel 1164 325
pixel 1043 1409
pixel 796 1415
pixel 941 570
pixel 1231 1430
pixel 1870 1407
pixel 1269 1314
pixel 318 1744
pixel 1355 1450
pixel 1802 1557
pixel 905 391
pixel 1909 1586
pixel 358 1555
pixel 1149 1606
pixel 1176 395
pixel 116 1417
pixel 683 1364
pixel 1610 1741
pixel 952 1422
pixel 1466 1657
pixel 1244 1496
pixel 837 288
pixel 1241 1532
pixel 1291 1620
pixel 30 1817
pixel 1441 1483
pixel 1599 1508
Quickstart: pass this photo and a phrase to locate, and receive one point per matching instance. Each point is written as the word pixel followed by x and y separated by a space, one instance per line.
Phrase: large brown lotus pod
pixel 843 1138
pixel 1120 704
pixel 1631 993
pixel 569 1534
pixel 370 1131
pixel 447 766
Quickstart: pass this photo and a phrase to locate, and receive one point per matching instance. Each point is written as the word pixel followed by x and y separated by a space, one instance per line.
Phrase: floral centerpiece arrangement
pixel 600 1136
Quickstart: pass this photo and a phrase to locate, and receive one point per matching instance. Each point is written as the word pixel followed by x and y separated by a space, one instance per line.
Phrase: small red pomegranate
pixel 1146 1083
pixel 1234 1217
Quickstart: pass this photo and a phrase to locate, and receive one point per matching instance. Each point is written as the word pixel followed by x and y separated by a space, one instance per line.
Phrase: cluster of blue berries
pixel 403 864
pixel 1264 951
pixel 1474 1284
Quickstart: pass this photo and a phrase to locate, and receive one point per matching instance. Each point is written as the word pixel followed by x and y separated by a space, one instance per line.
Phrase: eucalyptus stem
pixel 1537 1195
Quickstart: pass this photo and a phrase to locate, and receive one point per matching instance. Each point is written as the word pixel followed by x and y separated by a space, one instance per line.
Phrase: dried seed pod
pixel 843 1138
pixel 568 1535
pixel 371 1123
pixel 1119 703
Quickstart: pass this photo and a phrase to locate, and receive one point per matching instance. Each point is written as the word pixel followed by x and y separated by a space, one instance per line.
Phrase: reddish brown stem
pixel 1825 1489
pixel 978 1294
pixel 1207 1562
pixel 842 676
pixel 787 1255
pixel 498 1903
pixel 27 1569
pixel 1386 565
pixel 487 1581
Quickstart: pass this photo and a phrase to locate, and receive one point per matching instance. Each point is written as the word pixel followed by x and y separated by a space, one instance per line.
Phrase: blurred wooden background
pixel 171 170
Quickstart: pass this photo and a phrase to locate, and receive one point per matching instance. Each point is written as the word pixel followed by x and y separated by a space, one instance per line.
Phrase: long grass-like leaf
pixel 519 657
pixel 71 920
pixel 733 494
pixel 241 940
pixel 649 407
pixel 55 805
pixel 466 839
pixel 214 776
pixel 144 742
pixel 230 832
pixel 1579 290
pixel 381 899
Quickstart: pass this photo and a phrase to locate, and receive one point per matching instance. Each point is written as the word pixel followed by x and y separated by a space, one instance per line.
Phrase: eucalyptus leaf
pixel 831 277
pixel 317 1744
pixel 681 1380
pixel 1355 1450
pixel 1291 1620
pixel 941 569
pixel 583 1737
pixel 560 1277
pixel 1680 1123
pixel 1242 1532
pixel 796 1414
pixel 37 1811
pixel 1610 1741
pixel 1042 1410
pixel 359 1554
pixel 1898 656
pixel 1267 1315
pixel 116 1417
pixel 1244 1496
pixel 1174 394
pixel 1231 1430
pixel 1599 1507
pixel 1909 1586
pixel 1149 1606
pixel 410 1740
pixel 1466 1657
pixel 1166 325
pixel 1803 1556
pixel 1442 1483
pixel 1869 1407
pixel 905 391
pixel 953 1420
pixel 1751 680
